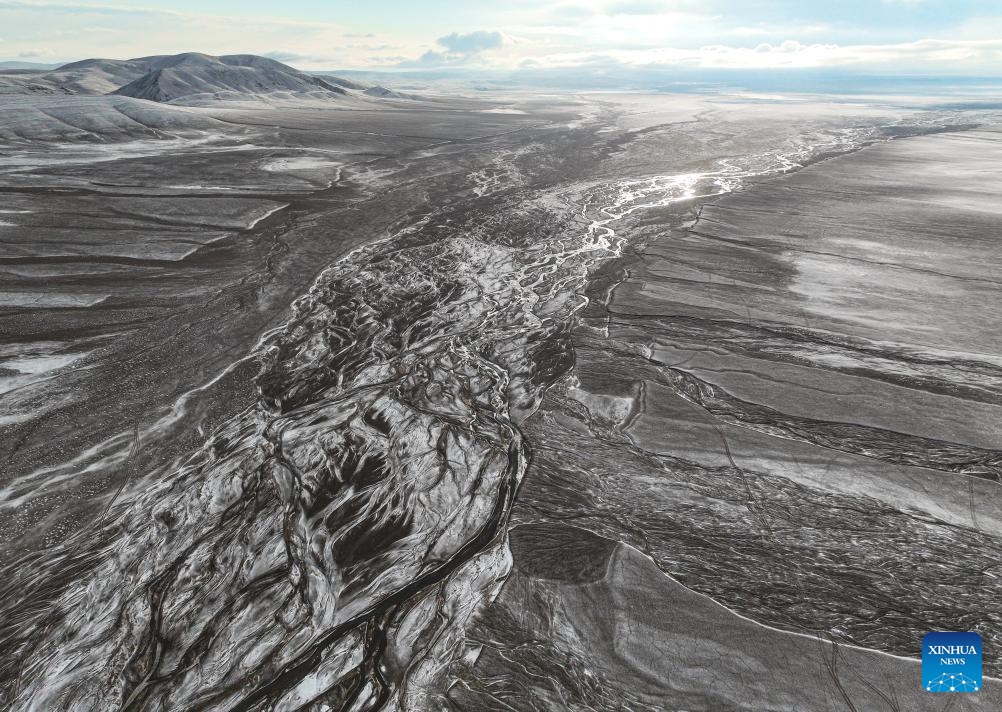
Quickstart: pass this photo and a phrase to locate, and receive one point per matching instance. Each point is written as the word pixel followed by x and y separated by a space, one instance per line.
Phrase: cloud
pixel 80 8
pixel 70 31
pixel 569 12
pixel 764 29
pixel 431 58
pixel 635 7
pixel 930 55
pixel 457 49
pixel 472 42
pixel 663 33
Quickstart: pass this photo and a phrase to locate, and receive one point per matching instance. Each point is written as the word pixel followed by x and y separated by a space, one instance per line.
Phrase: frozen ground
pixel 521 403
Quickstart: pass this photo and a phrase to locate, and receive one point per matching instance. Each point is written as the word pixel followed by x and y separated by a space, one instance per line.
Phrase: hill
pixel 30 66
pixel 94 76
pixel 173 77
pixel 384 93
pixel 167 78
pixel 341 82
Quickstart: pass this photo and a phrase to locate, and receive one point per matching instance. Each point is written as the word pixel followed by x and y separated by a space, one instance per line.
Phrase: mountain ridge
pixel 172 77
pixel 169 78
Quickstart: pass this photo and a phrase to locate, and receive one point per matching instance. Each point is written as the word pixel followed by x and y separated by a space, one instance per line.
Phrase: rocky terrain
pixel 318 397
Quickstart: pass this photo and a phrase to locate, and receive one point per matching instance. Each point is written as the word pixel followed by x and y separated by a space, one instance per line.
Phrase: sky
pixel 884 36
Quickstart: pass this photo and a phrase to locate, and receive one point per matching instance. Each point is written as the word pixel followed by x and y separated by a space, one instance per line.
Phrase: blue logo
pixel 951 662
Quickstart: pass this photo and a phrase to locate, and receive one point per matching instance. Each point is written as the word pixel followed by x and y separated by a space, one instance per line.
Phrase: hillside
pixel 166 78
pixel 94 76
pixel 174 77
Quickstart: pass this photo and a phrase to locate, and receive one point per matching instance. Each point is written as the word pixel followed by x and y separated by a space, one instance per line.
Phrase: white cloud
pixel 458 49
pixel 60 30
pixel 472 42
pixel 929 55
pixel 765 29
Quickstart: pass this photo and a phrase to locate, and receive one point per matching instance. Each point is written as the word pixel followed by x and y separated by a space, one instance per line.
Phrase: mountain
pixel 95 76
pixel 172 77
pixel 384 93
pixel 341 82
pixel 166 78
pixel 31 66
